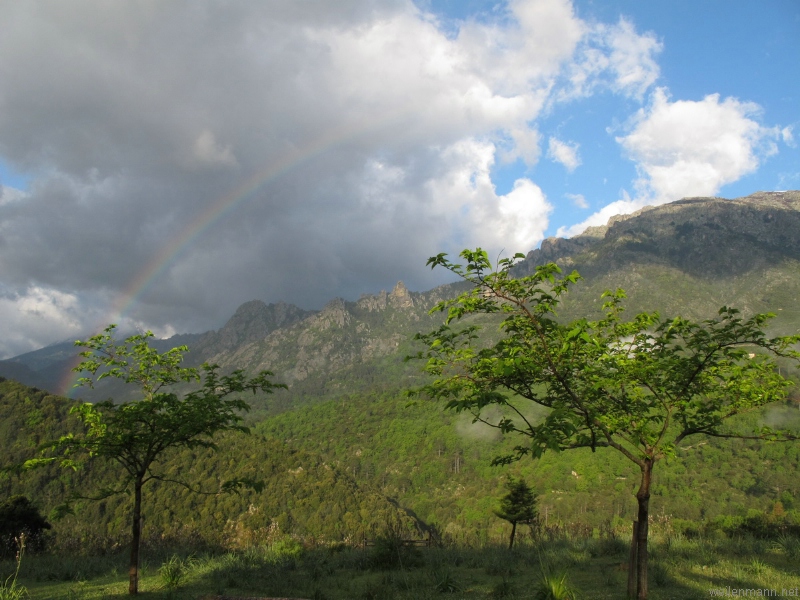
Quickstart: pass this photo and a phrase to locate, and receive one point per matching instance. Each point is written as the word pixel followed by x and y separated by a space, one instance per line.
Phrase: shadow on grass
pixel 680 570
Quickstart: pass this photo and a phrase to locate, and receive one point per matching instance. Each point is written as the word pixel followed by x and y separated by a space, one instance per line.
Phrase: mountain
pixel 345 409
pixel 252 321
pixel 689 257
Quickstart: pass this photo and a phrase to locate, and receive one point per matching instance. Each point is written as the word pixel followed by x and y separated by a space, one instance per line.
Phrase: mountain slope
pixel 302 493
pixel 689 257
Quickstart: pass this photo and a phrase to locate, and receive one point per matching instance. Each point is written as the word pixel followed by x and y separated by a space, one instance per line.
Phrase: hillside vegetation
pixel 344 457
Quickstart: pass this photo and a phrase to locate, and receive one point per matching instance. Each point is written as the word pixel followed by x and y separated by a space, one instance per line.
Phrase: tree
pixel 17 517
pixel 140 435
pixel 640 387
pixel 517 506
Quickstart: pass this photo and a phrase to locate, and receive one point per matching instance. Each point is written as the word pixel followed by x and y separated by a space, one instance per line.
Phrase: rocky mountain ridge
pixel 689 257
pixel 709 236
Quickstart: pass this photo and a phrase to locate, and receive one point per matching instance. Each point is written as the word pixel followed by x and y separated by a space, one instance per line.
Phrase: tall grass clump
pixel 9 589
pixel 553 585
pixel 174 571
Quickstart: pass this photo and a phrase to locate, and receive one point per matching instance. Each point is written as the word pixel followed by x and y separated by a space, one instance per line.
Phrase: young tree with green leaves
pixel 140 435
pixel 640 386
pixel 517 506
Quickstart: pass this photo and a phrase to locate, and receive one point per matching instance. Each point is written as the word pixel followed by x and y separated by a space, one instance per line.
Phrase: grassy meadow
pixel 681 567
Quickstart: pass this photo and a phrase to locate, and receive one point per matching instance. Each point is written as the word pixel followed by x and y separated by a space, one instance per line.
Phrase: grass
pixel 681 568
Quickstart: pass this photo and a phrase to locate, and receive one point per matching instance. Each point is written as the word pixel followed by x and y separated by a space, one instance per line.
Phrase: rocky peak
pixel 702 236
pixel 374 303
pixel 253 321
pixel 400 297
pixel 334 313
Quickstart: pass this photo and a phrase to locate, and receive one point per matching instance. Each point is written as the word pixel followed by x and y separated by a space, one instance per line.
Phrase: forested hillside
pixel 438 465
pixel 303 494
pixel 355 466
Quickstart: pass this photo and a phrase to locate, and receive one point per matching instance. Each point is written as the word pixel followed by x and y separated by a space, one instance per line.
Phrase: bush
pixel 285 551
pixel 19 517
pixel 391 553
pixel 174 571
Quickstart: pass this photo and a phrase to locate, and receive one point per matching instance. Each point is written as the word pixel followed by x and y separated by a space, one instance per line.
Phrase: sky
pixel 163 162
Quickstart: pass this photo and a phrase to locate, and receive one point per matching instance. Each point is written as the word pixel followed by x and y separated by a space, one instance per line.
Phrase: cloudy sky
pixel 163 162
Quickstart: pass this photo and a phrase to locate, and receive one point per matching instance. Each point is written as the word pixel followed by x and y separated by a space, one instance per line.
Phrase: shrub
pixel 18 517
pixel 445 583
pixel 174 571
pixel 391 553
pixel 284 551
pixel 554 586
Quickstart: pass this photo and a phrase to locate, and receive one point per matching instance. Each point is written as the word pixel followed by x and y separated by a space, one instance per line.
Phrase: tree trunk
pixel 136 536
pixel 632 562
pixel 643 498
pixel 513 532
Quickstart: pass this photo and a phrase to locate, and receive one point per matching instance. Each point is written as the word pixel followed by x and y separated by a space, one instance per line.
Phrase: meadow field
pixel 569 566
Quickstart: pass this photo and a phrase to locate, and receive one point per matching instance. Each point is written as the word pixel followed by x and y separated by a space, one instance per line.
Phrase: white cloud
pixel 787 136
pixel 565 153
pixel 688 148
pixel 9 195
pixel 613 57
pixel 35 317
pixel 471 213
pixel 601 217
pixel 632 58
pixel 578 200
pixel 693 148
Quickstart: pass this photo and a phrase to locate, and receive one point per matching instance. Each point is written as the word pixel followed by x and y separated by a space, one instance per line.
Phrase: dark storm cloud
pixel 133 120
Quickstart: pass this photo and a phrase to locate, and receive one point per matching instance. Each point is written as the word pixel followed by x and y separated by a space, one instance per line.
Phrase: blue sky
pixel 161 164
pixel 744 50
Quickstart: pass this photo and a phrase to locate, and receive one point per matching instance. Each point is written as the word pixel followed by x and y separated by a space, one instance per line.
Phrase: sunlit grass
pixel 680 568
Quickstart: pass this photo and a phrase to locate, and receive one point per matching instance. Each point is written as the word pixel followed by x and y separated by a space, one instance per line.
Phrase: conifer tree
pixel 517 506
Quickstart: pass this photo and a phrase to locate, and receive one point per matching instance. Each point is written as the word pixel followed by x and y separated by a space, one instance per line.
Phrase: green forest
pixel 372 466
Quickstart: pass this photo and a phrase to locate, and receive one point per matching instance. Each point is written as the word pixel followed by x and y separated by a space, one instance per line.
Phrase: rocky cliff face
pixel 341 335
pixel 251 322
pixel 710 237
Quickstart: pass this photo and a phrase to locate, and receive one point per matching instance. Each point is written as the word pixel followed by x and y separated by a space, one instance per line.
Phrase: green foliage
pixel 389 552
pixel 640 387
pixel 519 503
pixel 174 570
pixel 139 435
pixel 553 585
pixel 517 506
pixel 304 495
pixel 445 582
pixel 285 550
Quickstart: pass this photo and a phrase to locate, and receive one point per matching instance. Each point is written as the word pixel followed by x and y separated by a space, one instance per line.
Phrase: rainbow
pixel 217 211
